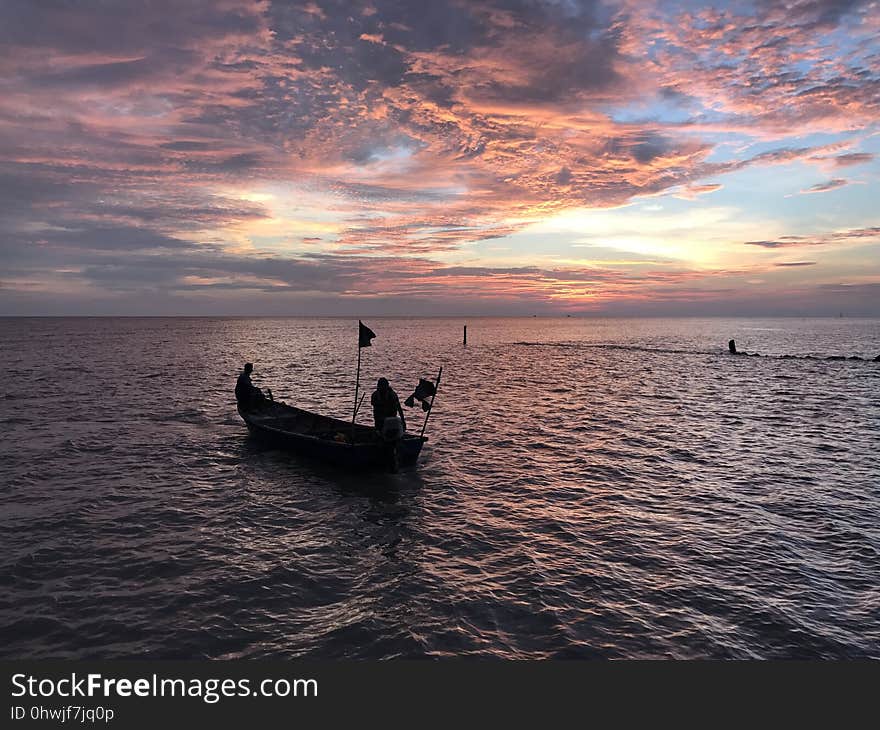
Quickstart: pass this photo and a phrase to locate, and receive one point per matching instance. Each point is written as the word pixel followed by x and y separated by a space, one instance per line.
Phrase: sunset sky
pixel 440 157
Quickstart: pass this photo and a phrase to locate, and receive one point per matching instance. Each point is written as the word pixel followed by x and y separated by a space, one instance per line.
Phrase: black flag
pixel 365 334
pixel 424 390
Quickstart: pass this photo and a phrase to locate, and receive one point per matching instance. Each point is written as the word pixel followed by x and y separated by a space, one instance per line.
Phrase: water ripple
pixel 592 489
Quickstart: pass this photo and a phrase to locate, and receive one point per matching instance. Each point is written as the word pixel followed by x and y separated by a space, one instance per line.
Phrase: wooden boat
pixel 330 439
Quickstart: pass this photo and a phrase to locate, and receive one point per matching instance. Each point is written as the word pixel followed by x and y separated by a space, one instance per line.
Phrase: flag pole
pixel 365 334
pixel 428 413
pixel 357 384
pixel 360 403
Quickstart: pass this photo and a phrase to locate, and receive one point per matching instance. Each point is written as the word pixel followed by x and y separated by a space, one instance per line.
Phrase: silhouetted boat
pixel 330 439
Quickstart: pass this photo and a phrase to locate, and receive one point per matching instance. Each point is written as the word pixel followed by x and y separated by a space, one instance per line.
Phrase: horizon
pixel 465 317
pixel 592 158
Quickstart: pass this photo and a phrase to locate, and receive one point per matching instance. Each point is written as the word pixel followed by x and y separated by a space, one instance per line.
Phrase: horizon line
pixel 439 316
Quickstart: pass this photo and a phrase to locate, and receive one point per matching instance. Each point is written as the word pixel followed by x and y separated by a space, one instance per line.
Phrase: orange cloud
pixel 413 130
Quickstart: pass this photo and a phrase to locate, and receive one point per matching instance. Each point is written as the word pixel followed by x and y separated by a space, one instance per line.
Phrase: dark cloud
pixel 188 146
pixel 563 177
pixel 116 73
pixel 124 28
pixel 242 162
pixel 22 187
pixel 868 291
pixel 417 26
pixel 483 271
pixel 649 147
pixel 118 239
pixel 824 14
pixel 853 235
pixel 83 199
pixel 833 184
pixel 852 158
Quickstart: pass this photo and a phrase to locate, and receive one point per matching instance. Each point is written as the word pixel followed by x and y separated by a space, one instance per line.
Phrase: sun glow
pixel 698 237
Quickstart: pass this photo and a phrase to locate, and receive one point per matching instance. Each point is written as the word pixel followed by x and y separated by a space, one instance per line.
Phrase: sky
pixel 402 157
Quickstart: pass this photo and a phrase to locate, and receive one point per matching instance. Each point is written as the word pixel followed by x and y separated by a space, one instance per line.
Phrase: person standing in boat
pixel 385 404
pixel 246 393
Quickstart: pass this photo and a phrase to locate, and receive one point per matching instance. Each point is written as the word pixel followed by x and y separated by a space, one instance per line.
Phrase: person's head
pixel 249 367
pixel 382 385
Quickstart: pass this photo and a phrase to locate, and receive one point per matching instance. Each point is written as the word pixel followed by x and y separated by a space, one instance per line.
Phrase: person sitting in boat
pixel 246 393
pixel 386 404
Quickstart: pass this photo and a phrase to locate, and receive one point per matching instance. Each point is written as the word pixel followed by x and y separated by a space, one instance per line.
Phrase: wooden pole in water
pixel 465 336
pixel 431 408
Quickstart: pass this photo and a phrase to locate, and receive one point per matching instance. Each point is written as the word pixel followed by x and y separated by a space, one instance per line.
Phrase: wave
pixel 670 351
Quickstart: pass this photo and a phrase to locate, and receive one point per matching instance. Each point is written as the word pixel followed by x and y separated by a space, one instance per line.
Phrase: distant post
pixel 464 342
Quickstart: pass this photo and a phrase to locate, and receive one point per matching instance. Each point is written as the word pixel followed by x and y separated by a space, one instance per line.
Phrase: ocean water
pixel 591 489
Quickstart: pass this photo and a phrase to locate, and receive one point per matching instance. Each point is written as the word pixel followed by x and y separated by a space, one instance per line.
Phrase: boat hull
pixel 329 439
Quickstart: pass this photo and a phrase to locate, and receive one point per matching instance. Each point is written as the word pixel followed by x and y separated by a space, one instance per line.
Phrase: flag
pixel 365 334
pixel 424 390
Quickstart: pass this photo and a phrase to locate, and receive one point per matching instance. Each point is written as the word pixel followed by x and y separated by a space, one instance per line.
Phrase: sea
pixel 591 489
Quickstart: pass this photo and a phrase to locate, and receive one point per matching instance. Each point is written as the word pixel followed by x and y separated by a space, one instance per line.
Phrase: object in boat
pixel 331 439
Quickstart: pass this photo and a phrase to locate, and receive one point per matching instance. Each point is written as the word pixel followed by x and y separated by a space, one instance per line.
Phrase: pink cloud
pixel 422 136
